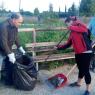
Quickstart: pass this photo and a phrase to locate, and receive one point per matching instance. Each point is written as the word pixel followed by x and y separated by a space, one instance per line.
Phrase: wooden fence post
pixel 34 42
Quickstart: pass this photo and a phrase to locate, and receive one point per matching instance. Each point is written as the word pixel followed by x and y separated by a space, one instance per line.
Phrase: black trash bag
pixel 24 74
pixel 7 72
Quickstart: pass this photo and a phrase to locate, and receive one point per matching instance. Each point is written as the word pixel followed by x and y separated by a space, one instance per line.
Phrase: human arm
pixel 20 48
pixel 5 45
pixel 4 41
pixel 77 28
pixel 66 45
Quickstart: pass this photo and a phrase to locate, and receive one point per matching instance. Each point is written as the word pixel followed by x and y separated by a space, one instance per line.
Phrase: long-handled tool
pixel 60 80
pixel 57 45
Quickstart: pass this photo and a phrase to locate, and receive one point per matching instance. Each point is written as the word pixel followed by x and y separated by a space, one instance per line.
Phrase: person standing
pixel 9 36
pixel 79 39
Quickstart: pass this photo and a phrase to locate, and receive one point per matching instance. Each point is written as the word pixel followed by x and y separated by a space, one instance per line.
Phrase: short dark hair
pixel 74 18
pixel 70 18
pixel 67 20
pixel 15 15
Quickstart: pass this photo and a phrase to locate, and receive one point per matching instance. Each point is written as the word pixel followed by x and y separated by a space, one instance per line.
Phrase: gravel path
pixel 43 89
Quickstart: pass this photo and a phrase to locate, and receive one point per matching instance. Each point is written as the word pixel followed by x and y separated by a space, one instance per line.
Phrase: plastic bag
pixel 25 74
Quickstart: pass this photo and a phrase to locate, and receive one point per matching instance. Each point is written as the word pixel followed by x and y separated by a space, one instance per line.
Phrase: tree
pixel 51 13
pixel 2 9
pixel 72 11
pixel 85 7
pixel 65 9
pixel 26 13
pixel 93 7
pixel 50 8
pixel 36 12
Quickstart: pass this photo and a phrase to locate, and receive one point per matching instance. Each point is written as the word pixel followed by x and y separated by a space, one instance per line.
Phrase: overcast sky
pixel 42 5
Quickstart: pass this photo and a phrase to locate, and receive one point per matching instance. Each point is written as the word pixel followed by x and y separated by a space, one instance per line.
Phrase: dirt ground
pixel 43 88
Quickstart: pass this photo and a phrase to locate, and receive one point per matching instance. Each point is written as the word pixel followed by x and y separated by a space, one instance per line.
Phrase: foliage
pixel 25 37
pixel 36 12
pixel 55 64
pixel 26 13
pixel 85 7
pixel 50 8
pixel 93 7
pixel 43 36
pixel 72 11
pixel 51 65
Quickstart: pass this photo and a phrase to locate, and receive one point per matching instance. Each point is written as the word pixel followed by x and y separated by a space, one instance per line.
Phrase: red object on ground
pixel 62 76
pixel 54 79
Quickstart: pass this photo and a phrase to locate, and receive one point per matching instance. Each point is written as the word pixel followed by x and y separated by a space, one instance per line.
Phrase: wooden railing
pixel 40 29
pixel 44 47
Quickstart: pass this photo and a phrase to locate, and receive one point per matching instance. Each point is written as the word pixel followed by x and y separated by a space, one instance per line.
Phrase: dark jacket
pixel 78 38
pixel 8 37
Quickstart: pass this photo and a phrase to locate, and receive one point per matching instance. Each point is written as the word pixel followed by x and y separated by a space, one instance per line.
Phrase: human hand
pixel 22 50
pixel 55 47
pixel 11 57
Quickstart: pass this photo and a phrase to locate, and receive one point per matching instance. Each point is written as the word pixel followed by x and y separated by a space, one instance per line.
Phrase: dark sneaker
pixel 75 84
pixel 86 93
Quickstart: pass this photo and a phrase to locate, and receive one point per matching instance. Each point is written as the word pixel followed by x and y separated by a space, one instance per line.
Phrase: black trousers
pixel 83 63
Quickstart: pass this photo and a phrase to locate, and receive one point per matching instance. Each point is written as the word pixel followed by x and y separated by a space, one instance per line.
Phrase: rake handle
pixel 57 45
pixel 71 70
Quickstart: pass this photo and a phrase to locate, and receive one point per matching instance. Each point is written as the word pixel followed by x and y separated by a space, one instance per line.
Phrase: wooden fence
pixel 44 46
